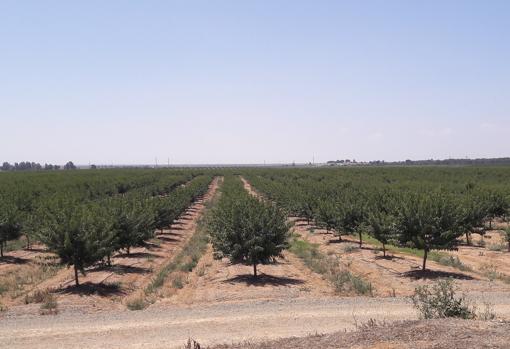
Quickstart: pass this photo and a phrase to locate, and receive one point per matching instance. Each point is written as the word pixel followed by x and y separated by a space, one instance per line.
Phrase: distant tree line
pixel 458 162
pixel 34 166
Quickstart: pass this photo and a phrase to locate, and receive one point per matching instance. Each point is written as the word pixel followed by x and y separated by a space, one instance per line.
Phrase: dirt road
pixel 170 326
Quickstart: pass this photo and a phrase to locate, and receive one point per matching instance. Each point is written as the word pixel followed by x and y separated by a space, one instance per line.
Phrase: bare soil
pixel 444 333
pixel 220 281
pixel 169 326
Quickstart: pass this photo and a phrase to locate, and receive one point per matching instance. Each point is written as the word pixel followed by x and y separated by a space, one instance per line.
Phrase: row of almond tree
pixel 420 208
pixel 245 229
pixel 84 230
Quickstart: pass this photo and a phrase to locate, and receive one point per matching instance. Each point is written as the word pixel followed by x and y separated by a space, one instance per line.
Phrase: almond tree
pixel 133 222
pixel 428 221
pixel 247 230
pixel 73 231
pixel 507 237
pixel 383 228
pixel 10 228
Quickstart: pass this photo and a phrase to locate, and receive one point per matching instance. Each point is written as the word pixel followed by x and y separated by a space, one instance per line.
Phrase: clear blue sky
pixel 247 81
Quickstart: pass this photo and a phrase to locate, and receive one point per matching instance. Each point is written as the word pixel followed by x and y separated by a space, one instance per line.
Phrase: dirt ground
pixel 109 287
pixel 169 326
pixel 445 333
pixel 220 281
pixel 398 273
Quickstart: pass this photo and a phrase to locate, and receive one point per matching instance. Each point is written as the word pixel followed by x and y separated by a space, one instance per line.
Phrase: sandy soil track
pixel 170 326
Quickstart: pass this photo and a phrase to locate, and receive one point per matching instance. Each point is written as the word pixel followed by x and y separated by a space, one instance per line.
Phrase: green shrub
pixel 342 280
pixel 440 301
pixel 454 262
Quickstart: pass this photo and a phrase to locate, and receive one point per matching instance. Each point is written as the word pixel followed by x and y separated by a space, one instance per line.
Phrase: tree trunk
pixel 128 249
pixel 360 240
pixel 384 249
pixel 76 281
pixel 1 249
pixel 108 260
pixel 490 224
pixel 255 269
pixel 508 246
pixel 28 241
pixel 468 242
pixel 425 253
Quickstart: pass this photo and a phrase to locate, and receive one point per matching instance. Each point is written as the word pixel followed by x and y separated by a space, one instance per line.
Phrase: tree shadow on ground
pixel 129 269
pixel 13 260
pixel 264 279
pixel 171 233
pixel 435 274
pixel 136 255
pixel 151 246
pixel 88 288
pixel 168 238
pixel 389 257
pixel 120 269
pixel 337 241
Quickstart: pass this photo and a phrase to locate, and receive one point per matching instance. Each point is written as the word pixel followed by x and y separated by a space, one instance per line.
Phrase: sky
pixel 195 82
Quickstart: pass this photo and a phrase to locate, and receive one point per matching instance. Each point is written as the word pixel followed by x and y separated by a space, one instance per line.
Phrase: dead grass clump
pixel 192 344
pixel 351 248
pixel 16 281
pixel 178 282
pixel 49 305
pixel 137 303
pixel 38 296
pixel 491 272
pixel 454 262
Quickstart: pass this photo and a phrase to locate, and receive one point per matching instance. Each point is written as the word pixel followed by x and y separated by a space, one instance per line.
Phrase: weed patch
pixel 342 280
pixel 138 303
pixel 440 301
pixel 49 305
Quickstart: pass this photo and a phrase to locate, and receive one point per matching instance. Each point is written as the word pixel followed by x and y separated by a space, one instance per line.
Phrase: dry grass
pixel 420 334
pixel 49 305
pixel 342 280
pixel 17 281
